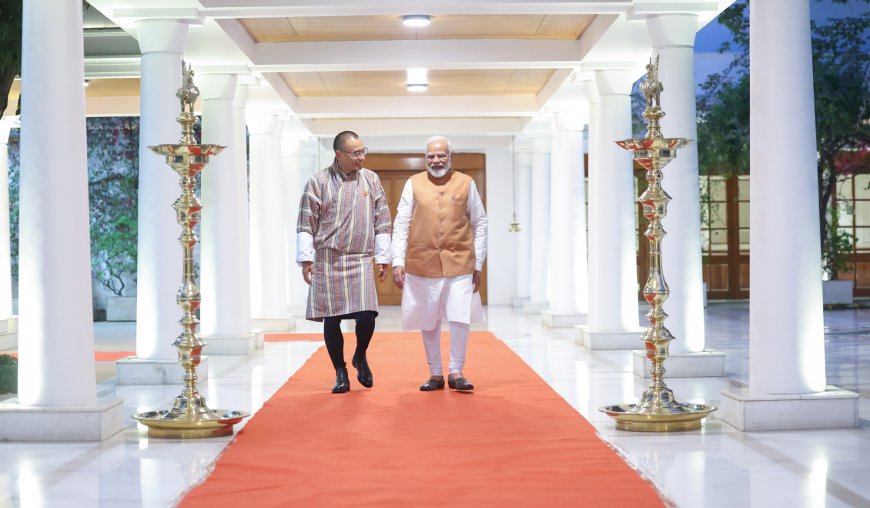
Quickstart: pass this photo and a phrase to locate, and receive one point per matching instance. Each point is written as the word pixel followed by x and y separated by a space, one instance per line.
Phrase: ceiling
pixel 496 68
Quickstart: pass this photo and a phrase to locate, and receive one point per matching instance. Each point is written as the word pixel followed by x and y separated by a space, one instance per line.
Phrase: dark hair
pixel 342 138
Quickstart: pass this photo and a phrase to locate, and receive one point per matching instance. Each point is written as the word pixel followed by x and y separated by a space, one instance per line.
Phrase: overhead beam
pixel 417 126
pixel 415 107
pixel 433 54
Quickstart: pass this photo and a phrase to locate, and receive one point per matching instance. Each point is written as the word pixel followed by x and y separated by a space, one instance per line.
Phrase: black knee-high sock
pixel 334 340
pixel 365 328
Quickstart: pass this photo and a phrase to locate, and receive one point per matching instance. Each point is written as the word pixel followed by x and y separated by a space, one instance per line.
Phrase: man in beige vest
pixel 439 245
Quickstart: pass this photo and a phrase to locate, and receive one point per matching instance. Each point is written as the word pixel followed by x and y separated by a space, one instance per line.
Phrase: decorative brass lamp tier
pixel 190 417
pixel 658 409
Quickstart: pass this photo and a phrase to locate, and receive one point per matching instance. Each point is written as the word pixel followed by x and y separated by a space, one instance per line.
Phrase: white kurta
pixel 426 301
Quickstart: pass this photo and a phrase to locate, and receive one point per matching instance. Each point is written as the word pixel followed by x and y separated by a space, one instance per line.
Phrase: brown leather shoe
pixel 432 384
pixel 460 384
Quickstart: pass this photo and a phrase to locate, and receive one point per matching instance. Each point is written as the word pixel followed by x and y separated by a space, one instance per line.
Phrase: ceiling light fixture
pixel 416 20
pixel 417 80
pixel 86 82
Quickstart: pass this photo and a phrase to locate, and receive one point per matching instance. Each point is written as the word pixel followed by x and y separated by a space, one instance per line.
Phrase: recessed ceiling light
pixel 417 80
pixel 416 20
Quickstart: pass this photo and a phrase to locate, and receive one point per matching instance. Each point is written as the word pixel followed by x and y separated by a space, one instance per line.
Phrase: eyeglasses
pixel 356 154
pixel 433 156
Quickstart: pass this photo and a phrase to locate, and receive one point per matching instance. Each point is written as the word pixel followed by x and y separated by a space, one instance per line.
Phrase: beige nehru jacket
pixel 440 238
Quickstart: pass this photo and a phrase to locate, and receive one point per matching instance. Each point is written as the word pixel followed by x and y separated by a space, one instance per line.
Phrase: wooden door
pixel 394 170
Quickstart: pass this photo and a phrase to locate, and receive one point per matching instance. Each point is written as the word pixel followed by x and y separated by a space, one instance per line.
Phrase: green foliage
pixel 841 71
pixel 10 47
pixel 113 167
pixel 837 246
pixel 8 374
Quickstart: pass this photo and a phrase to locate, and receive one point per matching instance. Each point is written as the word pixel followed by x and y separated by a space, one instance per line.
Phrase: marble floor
pixel 716 466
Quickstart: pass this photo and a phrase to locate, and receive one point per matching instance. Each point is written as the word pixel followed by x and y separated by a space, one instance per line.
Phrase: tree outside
pixel 841 69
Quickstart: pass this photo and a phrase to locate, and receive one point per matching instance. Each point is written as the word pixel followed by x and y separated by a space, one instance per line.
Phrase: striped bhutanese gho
pixel 343 213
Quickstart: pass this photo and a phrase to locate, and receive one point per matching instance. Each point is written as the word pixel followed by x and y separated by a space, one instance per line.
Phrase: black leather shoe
pixel 460 384
pixel 363 372
pixel 432 384
pixel 342 384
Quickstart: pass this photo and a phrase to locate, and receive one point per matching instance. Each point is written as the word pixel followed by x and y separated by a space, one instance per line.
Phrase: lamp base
pixel 680 418
pixel 174 425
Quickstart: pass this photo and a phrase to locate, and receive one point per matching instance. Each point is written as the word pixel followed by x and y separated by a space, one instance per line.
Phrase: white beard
pixel 438 173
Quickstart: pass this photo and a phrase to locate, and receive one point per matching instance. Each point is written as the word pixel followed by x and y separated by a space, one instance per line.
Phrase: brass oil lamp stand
pixel 189 417
pixel 658 409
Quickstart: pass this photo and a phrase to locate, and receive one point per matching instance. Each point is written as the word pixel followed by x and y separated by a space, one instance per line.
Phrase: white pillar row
pixel 159 262
pixel 673 39
pixel 523 206
pixel 614 324
pixel 225 325
pixel 269 306
pixel 566 209
pixel 57 395
pixel 787 381
pixel 8 321
pixel 540 227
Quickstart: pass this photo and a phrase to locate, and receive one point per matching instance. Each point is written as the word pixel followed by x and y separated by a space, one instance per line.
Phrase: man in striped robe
pixel 344 222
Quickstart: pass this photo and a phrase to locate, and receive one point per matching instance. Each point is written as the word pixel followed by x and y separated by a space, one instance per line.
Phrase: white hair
pixel 438 138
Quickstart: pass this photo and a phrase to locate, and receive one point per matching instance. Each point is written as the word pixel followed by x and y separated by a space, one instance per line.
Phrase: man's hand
pixel 399 276
pixel 382 274
pixel 307 271
pixel 475 281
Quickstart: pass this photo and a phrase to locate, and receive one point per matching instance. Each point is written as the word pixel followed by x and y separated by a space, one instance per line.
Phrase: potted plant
pixel 836 249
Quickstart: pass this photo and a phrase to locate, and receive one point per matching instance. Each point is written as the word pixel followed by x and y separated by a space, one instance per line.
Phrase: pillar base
pixel 143 371
pixel 535 307
pixel 242 344
pixel 94 423
pixel 707 363
pixel 517 302
pixel 282 324
pixel 832 409
pixel 9 333
pixel 620 339
pixel 554 320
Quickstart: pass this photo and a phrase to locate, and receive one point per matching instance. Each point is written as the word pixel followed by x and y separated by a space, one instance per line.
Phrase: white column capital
pixel 217 86
pixel 262 124
pixel 540 145
pixel 591 89
pixel 615 82
pixel 568 121
pixel 240 99
pixel 161 35
pixel 670 30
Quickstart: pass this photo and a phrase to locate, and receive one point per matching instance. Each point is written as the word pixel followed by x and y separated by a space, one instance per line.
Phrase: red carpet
pixel 513 442
pixel 291 337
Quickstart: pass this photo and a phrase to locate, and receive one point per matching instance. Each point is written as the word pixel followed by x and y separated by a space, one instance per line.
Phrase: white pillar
pixel 673 38
pixel 305 164
pixel 269 307
pixel 566 209
pixel 540 227
pixel 613 323
pixel 225 325
pixel 159 264
pixel 787 382
pixel 57 396
pixel 523 194
pixel 592 172
pixel 159 253
pixel 240 141
pixel 8 321
pixel 291 162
